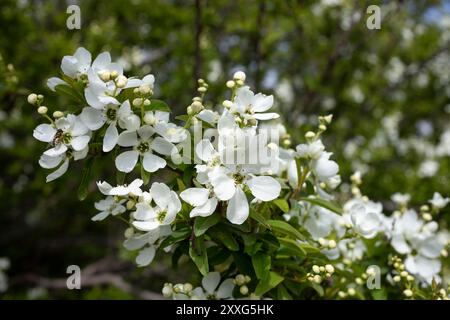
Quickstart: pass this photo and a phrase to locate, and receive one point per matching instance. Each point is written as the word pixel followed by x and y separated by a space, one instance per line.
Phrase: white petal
pixel 238 210
pixel 145 132
pixel 69 66
pixel 225 290
pixel 92 118
pixel 224 186
pixel 136 242
pixel 264 188
pixel 58 172
pixel 163 146
pixel 161 194
pixel 211 281
pixel 205 210
pixel 102 60
pixel 127 139
pixel 78 127
pixel 146 225
pixel 205 150
pixel 79 143
pixel 44 132
pixel 104 187
pixel 145 256
pixel 110 138
pixel 48 162
pixel 55 81
pixel 130 122
pixel 152 162
pixel 262 103
pixel 101 216
pixel 195 196
pixel 325 168
pixel 56 151
pixel 84 58
pixel 126 161
pixel 144 212
pixel 400 245
pixel 266 116
pixel 92 98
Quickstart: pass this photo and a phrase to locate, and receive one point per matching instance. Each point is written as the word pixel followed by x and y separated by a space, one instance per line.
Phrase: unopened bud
pixel 137 102
pixel 42 110
pixel 239 76
pixel 114 74
pixel 243 290
pixel 32 98
pixel 121 81
pixel 105 75
pixel 58 114
pixel 230 84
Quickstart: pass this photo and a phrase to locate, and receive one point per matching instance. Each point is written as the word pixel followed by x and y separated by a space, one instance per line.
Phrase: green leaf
pixel 323 203
pixel 285 228
pixel 198 254
pixel 271 280
pixel 157 105
pixel 70 93
pixel 258 217
pixel 261 264
pixel 176 236
pixel 181 185
pixel 202 224
pixel 183 117
pixel 318 288
pixel 293 245
pixel 85 179
pixel 226 238
pixel 120 177
pixel 282 293
pixel 282 204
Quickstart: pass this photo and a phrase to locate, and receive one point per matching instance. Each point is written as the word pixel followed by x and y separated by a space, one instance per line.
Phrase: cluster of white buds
pixel 241 281
pixel 195 107
pixel 320 272
pixel 425 213
pixel 324 121
pixel 169 289
pixel 330 244
pixel 399 271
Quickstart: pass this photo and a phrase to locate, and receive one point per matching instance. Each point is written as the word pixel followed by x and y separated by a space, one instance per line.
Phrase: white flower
pixel 366 217
pixel 251 106
pixel 143 145
pixel 61 160
pixel 324 168
pixel 155 117
pixel 401 198
pixel 171 132
pixel 165 211
pixel 123 116
pixel 420 242
pixel 439 201
pixel 146 242
pixel 78 65
pixel 311 150
pixel 212 290
pixel 201 199
pixel 132 189
pixel 68 132
pixel 108 207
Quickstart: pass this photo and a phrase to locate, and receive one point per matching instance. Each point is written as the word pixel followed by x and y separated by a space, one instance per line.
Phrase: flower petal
pixel 163 146
pixel 205 210
pixel 262 103
pixel 238 210
pixel 195 196
pixel 225 290
pixel 80 142
pixel 58 172
pixel 152 162
pixel 111 137
pixel 92 118
pixel 205 150
pixel 126 161
pixel 264 188
pixel 211 281
pixel 44 132
pixel 127 139
pixel 145 256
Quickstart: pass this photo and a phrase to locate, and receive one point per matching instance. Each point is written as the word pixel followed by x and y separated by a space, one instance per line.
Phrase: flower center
pixel 111 114
pixel 161 216
pixel 66 138
pixel 143 147
pixel 238 178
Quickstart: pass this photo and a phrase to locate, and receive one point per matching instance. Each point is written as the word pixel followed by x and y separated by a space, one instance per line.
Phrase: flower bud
pixel 188 287
pixel 317 279
pixel 240 279
pixel 149 118
pixel 408 293
pixel 189 111
pixel 130 204
pixel 197 106
pixel 201 89
pixel 351 291
pixel 32 98
pixel 397 278
pixel 243 290
pixel 316 269
pixel 121 81
pixel 137 102
pixel 322 127
pixel 58 114
pixel 230 84
pixel 145 89
pixel 331 244
pixel 227 104
pixel 114 74
pixel 310 135
pixel 329 268
pixel 129 232
pixel 42 110
pixel 239 76
pixel 105 75
pixel 167 291
pixel 247 279
pixel 147 102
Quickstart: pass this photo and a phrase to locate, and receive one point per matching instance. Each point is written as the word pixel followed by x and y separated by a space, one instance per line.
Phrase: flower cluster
pixel 228 190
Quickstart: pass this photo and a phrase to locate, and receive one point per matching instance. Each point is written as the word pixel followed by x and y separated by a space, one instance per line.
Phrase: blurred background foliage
pixel 388 90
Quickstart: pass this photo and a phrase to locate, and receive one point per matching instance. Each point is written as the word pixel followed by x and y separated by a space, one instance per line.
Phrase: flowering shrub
pixel 228 190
